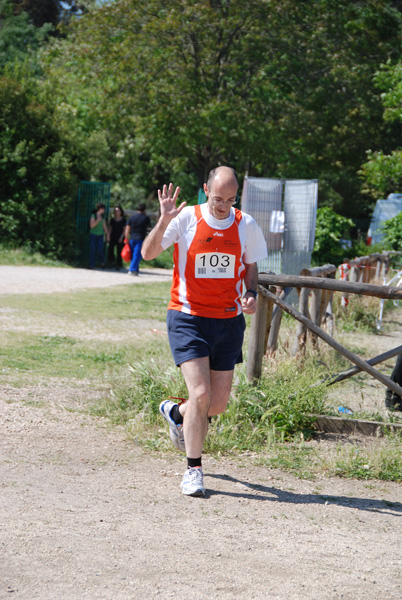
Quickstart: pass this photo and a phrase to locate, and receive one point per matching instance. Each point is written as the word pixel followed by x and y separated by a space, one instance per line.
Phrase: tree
pixel 392 230
pixel 18 36
pixel 279 89
pixel 37 178
pixel 382 173
pixel 43 12
pixel 330 230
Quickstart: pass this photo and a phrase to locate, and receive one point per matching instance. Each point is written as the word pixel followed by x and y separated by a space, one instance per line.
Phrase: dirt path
pixel 46 280
pixel 86 514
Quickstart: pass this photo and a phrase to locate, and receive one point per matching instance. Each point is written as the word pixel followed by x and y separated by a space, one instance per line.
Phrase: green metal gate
pixel 90 193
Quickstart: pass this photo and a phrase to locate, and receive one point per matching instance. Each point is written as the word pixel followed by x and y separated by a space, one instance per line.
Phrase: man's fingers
pixel 176 193
pixel 166 194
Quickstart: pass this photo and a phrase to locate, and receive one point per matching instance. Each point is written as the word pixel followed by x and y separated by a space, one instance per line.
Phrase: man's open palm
pixel 167 201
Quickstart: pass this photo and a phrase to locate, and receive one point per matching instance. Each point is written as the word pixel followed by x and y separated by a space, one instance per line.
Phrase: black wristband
pixel 252 292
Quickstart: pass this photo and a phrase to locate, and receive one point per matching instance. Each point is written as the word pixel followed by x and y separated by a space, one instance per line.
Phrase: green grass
pixel 360 315
pixel 118 302
pixel 279 407
pixel 106 342
pixel 25 257
pixel 376 459
pixel 64 357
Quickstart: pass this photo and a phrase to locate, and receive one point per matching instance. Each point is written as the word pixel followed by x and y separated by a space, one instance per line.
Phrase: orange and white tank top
pixel 208 268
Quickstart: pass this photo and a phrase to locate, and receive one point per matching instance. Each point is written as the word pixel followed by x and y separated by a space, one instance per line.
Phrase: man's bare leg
pixel 197 375
pixel 220 386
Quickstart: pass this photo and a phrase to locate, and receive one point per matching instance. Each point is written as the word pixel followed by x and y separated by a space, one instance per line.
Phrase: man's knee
pixel 201 396
pixel 218 406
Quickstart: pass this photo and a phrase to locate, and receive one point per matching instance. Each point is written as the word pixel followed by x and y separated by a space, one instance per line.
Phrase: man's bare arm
pixel 249 303
pixel 151 247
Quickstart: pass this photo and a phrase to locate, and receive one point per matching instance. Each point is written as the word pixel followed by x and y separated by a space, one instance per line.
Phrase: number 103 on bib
pixel 214 265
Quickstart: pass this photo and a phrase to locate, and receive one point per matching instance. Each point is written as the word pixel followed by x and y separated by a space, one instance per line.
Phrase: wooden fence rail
pixel 335 285
pixel 273 290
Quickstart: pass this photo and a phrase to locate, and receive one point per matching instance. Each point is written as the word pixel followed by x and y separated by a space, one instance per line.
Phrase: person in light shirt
pixel 216 249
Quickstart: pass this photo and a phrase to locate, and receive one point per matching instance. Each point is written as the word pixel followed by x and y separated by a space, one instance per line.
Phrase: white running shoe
pixel 175 431
pixel 193 482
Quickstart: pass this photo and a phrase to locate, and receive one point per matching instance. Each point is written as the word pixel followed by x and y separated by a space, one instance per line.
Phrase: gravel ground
pixel 46 280
pixel 87 514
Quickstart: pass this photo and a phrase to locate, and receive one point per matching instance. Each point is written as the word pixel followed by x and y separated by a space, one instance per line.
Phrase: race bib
pixel 214 265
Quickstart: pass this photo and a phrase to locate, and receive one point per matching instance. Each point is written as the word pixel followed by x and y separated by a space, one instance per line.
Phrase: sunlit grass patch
pixel 278 407
pixel 364 459
pixel 118 302
pixel 61 356
pixel 360 315
pixel 25 257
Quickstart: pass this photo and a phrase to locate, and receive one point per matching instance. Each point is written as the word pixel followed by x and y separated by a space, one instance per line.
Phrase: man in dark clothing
pixel 136 231
pixel 392 400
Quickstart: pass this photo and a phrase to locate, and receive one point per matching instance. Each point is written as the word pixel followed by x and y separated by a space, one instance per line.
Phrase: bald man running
pixel 216 249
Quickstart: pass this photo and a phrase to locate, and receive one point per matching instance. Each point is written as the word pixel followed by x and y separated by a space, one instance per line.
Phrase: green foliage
pixel 330 229
pixel 38 177
pixel 140 93
pixel 19 37
pixel 283 88
pixel 382 173
pixel 163 261
pixel 279 407
pixel 147 387
pixel 360 315
pixel 392 230
pixel 379 460
pixel 361 463
pixel 25 256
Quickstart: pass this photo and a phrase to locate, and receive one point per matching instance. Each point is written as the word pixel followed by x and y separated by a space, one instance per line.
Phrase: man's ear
pixel 206 189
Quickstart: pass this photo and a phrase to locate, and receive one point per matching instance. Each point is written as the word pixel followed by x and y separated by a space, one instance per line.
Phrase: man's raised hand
pixel 167 202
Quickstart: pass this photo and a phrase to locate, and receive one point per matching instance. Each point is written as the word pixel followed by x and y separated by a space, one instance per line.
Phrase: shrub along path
pixel 87 514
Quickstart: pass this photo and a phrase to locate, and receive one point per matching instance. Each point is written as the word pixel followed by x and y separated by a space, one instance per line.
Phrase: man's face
pixel 221 196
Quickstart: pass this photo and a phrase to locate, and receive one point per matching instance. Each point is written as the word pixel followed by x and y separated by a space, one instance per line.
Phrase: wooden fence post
pixel 378 268
pixel 276 321
pixel 315 306
pixel 363 365
pixel 259 332
pixel 329 317
pixel 301 333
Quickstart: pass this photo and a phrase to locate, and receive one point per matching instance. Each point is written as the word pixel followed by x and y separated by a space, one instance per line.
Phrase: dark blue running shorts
pixel 195 337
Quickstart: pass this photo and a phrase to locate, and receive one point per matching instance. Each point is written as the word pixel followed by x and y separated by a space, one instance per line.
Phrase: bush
pixel 330 229
pixel 392 230
pixel 37 180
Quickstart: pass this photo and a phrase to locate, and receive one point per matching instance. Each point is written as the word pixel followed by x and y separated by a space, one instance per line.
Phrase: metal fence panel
pixel 300 207
pixel 290 251
pixel 260 198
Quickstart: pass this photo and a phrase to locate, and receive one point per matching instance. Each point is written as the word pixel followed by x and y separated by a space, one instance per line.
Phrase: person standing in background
pixel 392 401
pixel 136 231
pixel 116 233
pixel 97 230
